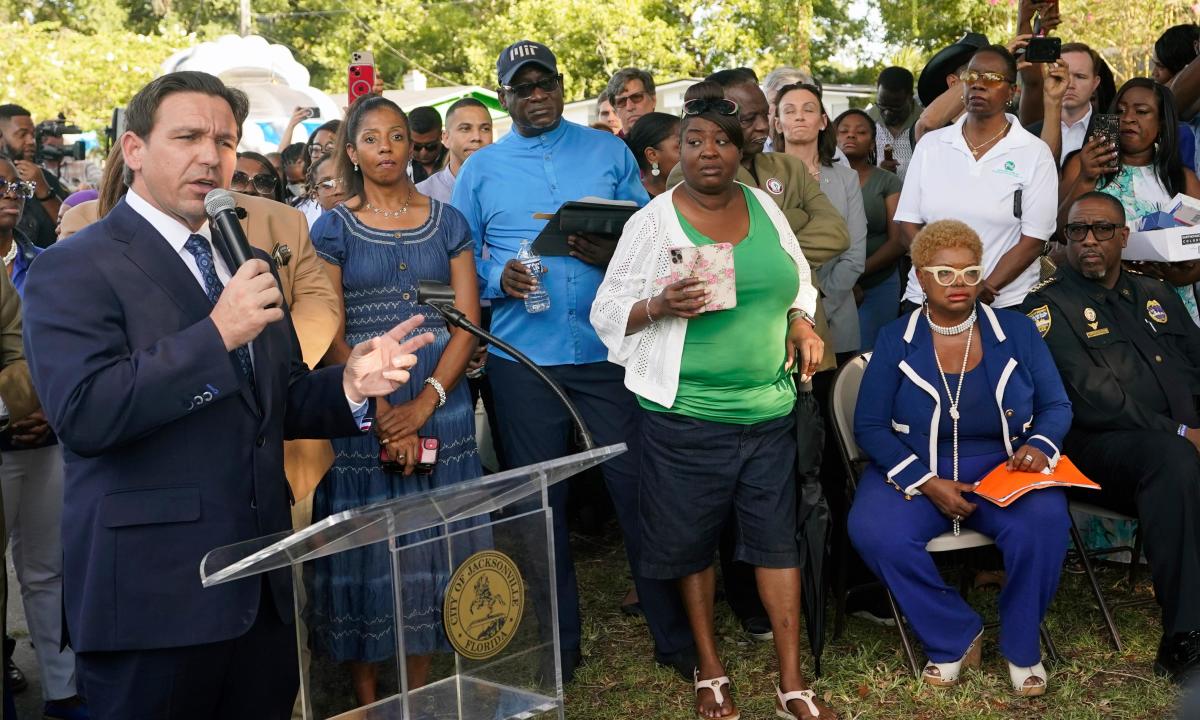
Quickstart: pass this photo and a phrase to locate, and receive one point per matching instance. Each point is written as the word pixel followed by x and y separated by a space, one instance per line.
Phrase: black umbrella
pixel 813 521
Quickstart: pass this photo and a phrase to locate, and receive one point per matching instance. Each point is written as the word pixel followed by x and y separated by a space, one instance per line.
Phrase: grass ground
pixel 864 673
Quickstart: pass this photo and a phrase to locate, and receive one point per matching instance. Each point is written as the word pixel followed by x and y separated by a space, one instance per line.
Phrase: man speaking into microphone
pixel 172 381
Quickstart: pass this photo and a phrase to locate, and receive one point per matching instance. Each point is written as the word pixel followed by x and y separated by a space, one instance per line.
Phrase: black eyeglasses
pixel 547 84
pixel 19 189
pixel 1076 232
pixel 263 182
pixel 720 106
pixel 427 147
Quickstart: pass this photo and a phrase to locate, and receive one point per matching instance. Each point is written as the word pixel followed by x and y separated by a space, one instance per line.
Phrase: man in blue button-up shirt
pixel 545 162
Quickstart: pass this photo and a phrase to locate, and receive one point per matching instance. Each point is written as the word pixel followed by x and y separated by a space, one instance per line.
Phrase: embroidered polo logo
pixel 1010 169
pixel 774 186
pixel 1041 318
pixel 1155 311
pixel 1010 166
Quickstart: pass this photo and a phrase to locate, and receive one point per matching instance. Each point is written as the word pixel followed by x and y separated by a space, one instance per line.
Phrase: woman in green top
pixel 717 390
pixel 878 289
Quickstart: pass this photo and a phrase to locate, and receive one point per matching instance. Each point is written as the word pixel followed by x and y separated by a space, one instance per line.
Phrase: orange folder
pixel 1003 486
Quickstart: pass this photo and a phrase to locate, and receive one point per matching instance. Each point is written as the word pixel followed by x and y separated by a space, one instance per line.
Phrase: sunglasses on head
pixel 547 84
pixel 427 147
pixel 989 79
pixel 263 182
pixel 20 189
pixel 1076 232
pixel 946 276
pixel 720 106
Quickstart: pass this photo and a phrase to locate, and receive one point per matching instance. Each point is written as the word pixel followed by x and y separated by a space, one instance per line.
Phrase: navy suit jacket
pixel 169 453
pixel 900 405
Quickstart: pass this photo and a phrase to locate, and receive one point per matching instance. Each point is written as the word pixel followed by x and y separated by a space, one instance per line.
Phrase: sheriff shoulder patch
pixel 1041 318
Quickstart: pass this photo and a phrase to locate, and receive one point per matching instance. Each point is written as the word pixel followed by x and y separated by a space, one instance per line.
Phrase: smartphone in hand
pixel 360 75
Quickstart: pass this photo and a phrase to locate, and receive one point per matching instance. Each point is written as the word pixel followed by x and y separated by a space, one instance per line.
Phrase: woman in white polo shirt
pixel 990 173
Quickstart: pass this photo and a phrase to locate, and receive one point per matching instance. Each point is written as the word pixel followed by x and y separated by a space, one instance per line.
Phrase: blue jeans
pixel 880 306
pixel 534 427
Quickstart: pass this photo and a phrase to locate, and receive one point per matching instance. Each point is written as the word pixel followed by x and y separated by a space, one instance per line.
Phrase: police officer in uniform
pixel 1129 355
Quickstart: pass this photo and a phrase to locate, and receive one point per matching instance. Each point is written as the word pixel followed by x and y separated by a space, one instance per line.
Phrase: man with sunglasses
pixel 1129 355
pixel 545 162
pixel 429 155
pixel 631 91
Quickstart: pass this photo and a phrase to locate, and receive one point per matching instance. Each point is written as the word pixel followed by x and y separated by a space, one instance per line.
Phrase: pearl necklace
pixel 11 254
pixel 393 213
pixel 953 329
pixel 957 394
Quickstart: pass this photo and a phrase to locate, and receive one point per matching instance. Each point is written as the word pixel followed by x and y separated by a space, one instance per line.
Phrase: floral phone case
pixel 711 263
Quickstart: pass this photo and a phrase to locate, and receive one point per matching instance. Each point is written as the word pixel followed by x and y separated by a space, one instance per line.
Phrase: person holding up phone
pixel 1142 170
pixel 717 426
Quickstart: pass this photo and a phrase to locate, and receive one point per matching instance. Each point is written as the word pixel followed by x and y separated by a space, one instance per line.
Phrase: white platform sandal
pixel 784 698
pixel 1020 677
pixel 713 685
pixel 946 674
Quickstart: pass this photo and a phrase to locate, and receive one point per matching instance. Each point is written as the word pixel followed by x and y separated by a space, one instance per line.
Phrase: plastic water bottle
pixel 538 300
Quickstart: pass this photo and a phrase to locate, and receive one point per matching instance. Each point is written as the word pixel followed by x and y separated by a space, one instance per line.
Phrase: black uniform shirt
pixel 1129 357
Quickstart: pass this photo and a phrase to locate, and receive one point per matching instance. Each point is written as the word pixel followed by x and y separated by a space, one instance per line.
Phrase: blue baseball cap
pixel 521 53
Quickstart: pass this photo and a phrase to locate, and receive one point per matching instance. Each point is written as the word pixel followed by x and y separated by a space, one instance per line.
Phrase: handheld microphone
pixel 221 208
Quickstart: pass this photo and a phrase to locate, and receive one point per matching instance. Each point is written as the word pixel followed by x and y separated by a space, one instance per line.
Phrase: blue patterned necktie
pixel 201 249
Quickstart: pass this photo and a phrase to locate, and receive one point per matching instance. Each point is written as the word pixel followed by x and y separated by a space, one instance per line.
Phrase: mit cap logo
pixel 521 51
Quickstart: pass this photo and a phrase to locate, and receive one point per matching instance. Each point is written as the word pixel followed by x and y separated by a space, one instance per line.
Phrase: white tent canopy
pixel 273 80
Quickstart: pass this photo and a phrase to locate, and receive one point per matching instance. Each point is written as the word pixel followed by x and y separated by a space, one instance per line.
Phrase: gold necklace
pixel 393 213
pixel 975 149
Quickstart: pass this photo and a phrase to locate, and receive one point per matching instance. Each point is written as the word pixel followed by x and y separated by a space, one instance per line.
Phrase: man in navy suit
pixel 172 384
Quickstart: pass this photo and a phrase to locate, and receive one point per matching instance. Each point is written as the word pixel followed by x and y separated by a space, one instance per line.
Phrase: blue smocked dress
pixel 350 611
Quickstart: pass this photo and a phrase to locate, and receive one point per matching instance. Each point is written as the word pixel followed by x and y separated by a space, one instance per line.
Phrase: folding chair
pixel 842 399
pixel 1085 558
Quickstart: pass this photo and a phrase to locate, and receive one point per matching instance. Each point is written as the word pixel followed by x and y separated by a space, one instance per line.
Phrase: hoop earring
pixel 654 169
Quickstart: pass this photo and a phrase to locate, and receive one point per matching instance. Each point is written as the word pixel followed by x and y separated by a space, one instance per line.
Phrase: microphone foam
pixel 218 199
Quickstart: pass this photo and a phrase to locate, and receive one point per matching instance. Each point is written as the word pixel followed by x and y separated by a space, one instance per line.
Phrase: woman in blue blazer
pixel 953 390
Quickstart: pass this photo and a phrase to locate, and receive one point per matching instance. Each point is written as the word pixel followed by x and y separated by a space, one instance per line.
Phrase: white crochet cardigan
pixel 652 356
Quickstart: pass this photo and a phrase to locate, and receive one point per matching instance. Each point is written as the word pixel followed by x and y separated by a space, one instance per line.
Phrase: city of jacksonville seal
pixel 484 603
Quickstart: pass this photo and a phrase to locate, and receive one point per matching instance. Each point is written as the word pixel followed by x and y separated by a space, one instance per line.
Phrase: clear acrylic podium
pixel 499 605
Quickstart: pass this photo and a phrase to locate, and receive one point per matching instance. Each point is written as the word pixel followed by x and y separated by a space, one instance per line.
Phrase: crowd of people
pixel 964 232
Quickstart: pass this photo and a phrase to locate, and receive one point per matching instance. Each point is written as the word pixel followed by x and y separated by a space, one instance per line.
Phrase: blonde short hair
pixel 944 235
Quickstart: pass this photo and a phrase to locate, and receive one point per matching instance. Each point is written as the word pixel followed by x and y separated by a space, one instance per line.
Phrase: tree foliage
pixel 50 69
pixel 82 57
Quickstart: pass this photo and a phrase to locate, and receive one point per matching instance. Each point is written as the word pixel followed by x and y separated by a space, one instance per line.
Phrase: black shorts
pixel 696 474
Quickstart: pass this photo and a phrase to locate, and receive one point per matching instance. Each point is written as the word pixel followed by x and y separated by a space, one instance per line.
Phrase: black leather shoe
pixel 758 628
pixel 683 662
pixel 1179 656
pixel 14 677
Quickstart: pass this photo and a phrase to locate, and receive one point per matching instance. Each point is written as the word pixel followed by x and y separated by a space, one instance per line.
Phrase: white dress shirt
pixel 176 234
pixel 1074 134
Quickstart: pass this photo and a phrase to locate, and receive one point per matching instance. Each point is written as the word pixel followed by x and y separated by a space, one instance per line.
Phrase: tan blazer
pixel 16 387
pixel 315 306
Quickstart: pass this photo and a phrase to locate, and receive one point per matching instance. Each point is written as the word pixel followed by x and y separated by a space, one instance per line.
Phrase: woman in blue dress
pixel 378 245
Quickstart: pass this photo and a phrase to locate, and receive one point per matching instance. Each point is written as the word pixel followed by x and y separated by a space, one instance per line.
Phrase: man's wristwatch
pixel 801 314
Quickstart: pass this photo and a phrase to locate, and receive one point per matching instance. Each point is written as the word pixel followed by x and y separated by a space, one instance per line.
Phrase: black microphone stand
pixel 440 297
